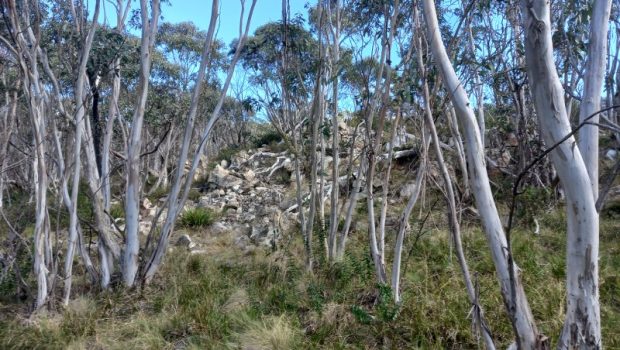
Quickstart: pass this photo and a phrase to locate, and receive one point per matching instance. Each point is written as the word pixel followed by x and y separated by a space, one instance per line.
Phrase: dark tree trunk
pixel 95 120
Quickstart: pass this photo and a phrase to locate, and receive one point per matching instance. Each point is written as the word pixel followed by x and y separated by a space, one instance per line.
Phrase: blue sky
pixel 199 12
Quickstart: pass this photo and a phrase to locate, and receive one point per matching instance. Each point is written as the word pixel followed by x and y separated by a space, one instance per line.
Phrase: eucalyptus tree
pixel 453 220
pixel 582 327
pixel 181 44
pixel 261 59
pixel 181 184
pixel 8 118
pixel 334 18
pixel 149 20
pixel 114 69
pixel 369 76
pixel 24 31
pixel 521 317
pixel 80 115
pixel 379 106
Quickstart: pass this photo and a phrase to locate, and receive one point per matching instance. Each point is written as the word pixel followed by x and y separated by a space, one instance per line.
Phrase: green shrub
pixel 268 138
pixel 197 217
pixel 227 154
pixel 159 193
pixel 194 195
pixel 117 211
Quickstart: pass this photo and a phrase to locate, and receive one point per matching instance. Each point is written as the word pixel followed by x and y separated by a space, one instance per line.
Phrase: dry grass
pixel 271 333
pixel 228 298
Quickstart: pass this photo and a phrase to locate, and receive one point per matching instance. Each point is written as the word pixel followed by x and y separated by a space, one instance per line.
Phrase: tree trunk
pixel 592 86
pixel 113 110
pixel 8 122
pixel 176 198
pixel 80 114
pixel 27 56
pixel 133 188
pixel 455 230
pixel 334 60
pixel 582 327
pixel 386 188
pixel 403 225
pixel 526 333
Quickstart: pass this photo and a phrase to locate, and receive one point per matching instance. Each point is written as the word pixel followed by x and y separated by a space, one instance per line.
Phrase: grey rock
pixel 407 190
pixel 611 154
pixel 185 241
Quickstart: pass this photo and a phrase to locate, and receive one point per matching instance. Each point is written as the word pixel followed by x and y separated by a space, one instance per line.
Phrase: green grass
pixel 228 299
pixel 197 217
pixel 117 211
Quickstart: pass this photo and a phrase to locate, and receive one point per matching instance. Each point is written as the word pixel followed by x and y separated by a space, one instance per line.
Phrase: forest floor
pixel 230 299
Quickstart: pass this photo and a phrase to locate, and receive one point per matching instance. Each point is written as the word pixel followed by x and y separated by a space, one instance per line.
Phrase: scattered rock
pixel 511 140
pixel 219 228
pixel 611 154
pixel 407 190
pixel 265 236
pixel 144 227
pixel 146 203
pixel 185 241
pixel 249 175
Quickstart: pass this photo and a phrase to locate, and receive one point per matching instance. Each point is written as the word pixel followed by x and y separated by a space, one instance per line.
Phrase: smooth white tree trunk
pixel 113 110
pixel 592 89
pixel 134 147
pixel 27 56
pixel 335 25
pixel 582 327
pixel 455 230
pixel 386 188
pixel 527 336
pixel 403 225
pixel 80 114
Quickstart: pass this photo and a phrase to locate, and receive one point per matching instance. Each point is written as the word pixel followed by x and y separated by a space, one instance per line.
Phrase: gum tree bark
pixel 450 115
pixel 316 115
pixel 582 326
pixel 108 247
pixel 80 114
pixel 9 113
pixel 113 109
pixel 592 86
pixel 382 96
pixel 386 188
pixel 526 333
pixel 132 199
pixel 26 52
pixel 173 197
pixel 403 225
pixel 334 17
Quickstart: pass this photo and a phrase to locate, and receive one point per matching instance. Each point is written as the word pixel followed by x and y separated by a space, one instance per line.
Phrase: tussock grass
pixel 270 333
pixel 232 299
pixel 197 217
